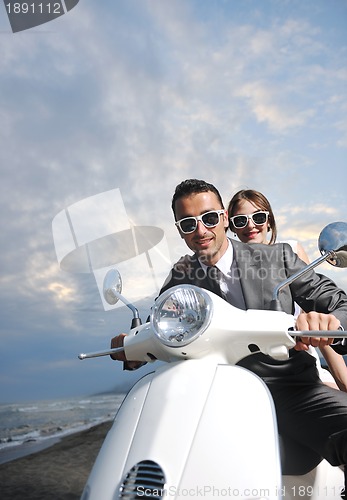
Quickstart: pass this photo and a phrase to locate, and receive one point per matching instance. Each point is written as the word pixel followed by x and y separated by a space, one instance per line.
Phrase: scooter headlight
pixel 181 314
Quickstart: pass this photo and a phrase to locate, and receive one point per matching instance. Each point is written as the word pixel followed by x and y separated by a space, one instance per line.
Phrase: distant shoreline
pixel 60 470
pixel 30 447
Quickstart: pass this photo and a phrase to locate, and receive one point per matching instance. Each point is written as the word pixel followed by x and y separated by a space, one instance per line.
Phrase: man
pixel 307 410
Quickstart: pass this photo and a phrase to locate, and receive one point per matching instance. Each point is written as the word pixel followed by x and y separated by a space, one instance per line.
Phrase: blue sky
pixel 139 95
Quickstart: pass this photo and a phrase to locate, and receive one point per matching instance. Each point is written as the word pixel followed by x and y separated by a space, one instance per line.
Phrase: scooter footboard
pixel 191 429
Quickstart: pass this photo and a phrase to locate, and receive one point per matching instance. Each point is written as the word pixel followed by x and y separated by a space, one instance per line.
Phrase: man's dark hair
pixel 193 186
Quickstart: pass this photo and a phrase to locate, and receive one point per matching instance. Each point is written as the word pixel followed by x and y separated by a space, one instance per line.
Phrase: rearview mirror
pixel 333 240
pixel 112 287
pixel 112 291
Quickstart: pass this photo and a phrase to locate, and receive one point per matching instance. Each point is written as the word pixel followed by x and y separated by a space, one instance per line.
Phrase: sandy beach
pixel 57 472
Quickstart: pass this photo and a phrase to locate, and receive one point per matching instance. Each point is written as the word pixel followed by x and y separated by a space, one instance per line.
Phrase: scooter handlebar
pixel 340 345
pixel 320 333
pixel 97 354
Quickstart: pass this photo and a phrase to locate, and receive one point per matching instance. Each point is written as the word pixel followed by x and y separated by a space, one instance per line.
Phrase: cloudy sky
pixel 138 95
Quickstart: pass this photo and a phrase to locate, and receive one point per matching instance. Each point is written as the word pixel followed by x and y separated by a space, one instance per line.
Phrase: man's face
pixel 208 243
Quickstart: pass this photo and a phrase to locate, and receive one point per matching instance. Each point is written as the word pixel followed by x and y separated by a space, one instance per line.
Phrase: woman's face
pixel 251 233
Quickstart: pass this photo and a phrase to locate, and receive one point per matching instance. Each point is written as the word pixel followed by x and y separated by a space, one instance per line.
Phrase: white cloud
pixel 263 104
pixel 139 96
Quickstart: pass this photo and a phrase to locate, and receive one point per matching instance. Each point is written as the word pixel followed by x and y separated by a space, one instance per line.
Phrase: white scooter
pixel 199 426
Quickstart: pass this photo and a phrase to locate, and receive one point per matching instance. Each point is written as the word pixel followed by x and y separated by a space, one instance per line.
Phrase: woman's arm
pixel 301 253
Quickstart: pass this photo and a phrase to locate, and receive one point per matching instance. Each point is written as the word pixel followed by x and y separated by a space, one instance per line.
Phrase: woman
pixel 252 220
pixel 256 229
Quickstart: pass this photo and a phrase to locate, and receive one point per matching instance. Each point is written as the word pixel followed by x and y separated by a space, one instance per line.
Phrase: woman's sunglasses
pixel 258 218
pixel 209 219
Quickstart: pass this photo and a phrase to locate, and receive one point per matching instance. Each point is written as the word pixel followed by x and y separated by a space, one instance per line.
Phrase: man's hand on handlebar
pixel 118 341
pixel 315 321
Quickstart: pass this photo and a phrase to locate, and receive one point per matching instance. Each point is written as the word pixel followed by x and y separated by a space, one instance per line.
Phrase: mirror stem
pixel 136 317
pixel 275 304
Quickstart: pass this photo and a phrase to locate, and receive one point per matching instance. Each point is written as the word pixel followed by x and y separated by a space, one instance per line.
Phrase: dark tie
pixel 214 277
pixel 234 294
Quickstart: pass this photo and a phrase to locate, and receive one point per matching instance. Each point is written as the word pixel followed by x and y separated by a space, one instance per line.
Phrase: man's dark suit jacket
pixel 260 269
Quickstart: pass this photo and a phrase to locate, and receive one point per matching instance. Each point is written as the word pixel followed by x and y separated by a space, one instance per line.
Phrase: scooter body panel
pixel 210 428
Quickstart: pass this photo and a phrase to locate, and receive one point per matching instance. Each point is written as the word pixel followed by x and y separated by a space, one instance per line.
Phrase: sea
pixel 29 427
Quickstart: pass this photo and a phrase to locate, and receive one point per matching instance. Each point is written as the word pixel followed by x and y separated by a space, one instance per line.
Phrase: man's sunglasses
pixel 258 218
pixel 209 219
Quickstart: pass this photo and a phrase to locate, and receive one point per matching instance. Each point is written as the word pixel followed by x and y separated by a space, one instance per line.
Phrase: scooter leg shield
pixel 206 429
pixel 235 449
